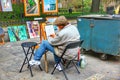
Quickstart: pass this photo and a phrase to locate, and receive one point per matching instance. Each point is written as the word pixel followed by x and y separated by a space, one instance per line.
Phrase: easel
pixel 43 37
pixel 2 38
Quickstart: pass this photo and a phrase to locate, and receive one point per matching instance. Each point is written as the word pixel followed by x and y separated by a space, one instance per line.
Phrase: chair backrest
pixel 71 45
pixel 1 31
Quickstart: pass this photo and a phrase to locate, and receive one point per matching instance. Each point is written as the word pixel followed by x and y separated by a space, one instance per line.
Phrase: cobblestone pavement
pixel 12 56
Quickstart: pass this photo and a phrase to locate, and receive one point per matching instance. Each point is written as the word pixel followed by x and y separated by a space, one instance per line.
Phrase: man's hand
pixel 52 35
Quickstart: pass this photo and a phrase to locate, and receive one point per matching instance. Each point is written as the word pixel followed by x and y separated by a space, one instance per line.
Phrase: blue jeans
pixel 45 46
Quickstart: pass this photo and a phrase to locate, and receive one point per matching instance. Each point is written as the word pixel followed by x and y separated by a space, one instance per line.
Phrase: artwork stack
pixel 17 33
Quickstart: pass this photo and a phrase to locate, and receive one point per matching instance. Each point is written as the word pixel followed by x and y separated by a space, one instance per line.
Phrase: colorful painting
pixel 17 33
pixel 22 32
pixel 32 7
pixel 6 5
pixel 11 34
pixel 33 28
pixel 50 6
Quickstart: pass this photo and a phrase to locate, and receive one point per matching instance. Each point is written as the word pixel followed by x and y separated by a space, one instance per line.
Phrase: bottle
pixel 79 63
pixel 83 62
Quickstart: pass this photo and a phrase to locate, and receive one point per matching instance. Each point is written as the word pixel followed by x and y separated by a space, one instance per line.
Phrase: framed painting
pixel 6 5
pixel 49 6
pixel 33 28
pixel 32 7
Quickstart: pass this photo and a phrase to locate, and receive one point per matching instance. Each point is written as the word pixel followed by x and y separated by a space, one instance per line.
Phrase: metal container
pixel 100 33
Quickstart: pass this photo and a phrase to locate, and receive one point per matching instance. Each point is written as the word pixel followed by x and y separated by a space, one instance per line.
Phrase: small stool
pixel 29 51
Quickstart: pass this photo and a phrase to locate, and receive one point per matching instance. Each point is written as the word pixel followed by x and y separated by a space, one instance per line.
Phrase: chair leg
pixel 76 67
pixel 40 67
pixel 68 64
pixel 22 65
pixel 64 72
pixel 30 70
pixel 54 68
pixel 63 61
pixel 65 75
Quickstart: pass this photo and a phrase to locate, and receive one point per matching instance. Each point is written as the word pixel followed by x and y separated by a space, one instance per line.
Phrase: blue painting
pixel 22 32
pixel 50 5
pixel 17 33
pixel 11 34
pixel 1 31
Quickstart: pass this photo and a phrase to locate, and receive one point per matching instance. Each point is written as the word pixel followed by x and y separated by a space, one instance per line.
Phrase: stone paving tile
pixel 95 77
pixel 12 56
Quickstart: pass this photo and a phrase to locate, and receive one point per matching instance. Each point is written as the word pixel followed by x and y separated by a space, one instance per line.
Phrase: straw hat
pixel 61 20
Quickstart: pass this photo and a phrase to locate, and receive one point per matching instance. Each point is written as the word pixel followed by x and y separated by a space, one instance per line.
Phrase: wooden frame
pixel 0 7
pixel 32 7
pixel 49 6
pixel 43 37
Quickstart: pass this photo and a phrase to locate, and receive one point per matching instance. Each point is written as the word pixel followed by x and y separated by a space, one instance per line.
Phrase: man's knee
pixel 45 42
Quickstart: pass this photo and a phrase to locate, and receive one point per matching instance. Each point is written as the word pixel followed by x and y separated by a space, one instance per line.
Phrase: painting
pixel 49 29
pixel 6 5
pixel 22 32
pixel 51 19
pixel 33 28
pixel 49 6
pixel 12 36
pixel 17 33
pixel 32 7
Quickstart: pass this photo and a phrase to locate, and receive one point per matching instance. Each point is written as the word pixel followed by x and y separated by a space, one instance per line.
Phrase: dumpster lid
pixel 95 16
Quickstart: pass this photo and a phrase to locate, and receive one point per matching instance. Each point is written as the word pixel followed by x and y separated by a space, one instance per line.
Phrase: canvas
pixel 50 6
pixel 17 33
pixel 33 28
pixel 6 5
pixel 11 34
pixel 50 29
pixel 22 32
pixel 32 7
